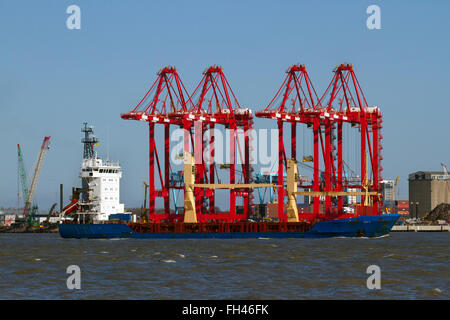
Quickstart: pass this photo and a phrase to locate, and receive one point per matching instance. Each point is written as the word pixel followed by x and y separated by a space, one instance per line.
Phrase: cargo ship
pixel 95 212
pixel 364 226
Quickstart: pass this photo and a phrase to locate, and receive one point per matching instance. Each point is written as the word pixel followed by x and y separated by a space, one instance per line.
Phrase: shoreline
pixel 421 228
pixel 51 229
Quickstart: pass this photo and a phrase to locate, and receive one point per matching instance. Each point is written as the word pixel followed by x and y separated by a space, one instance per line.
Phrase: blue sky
pixel 52 79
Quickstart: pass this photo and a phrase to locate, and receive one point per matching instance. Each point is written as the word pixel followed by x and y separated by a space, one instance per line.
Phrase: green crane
pixel 22 174
pixel 28 212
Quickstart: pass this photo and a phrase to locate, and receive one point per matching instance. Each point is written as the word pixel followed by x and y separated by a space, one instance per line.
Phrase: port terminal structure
pixel 214 103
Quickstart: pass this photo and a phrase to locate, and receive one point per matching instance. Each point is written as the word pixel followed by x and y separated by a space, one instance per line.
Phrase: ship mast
pixel 88 142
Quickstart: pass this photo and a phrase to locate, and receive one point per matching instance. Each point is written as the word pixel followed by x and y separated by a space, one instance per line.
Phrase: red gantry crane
pixel 324 117
pixel 165 104
pixel 217 105
pixel 304 107
pixel 214 103
pixel 354 109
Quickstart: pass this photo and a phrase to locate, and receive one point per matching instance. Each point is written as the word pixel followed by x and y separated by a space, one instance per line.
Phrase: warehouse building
pixel 427 189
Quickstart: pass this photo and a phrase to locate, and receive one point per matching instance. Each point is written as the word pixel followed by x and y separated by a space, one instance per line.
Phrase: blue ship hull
pixel 364 226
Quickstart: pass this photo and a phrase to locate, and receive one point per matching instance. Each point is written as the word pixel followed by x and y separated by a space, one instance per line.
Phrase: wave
pixel 379 237
pixel 168 261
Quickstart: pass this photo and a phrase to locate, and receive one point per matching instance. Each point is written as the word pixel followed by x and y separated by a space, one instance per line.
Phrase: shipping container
pixel 272 210
pixel 121 216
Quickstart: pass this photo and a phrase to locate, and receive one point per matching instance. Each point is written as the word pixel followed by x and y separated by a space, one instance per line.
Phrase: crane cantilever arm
pixel 37 171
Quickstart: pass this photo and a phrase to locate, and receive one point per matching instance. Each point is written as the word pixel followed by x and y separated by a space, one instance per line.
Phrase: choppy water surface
pixel 413 266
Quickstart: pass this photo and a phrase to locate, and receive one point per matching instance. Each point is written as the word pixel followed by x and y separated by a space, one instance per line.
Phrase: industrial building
pixel 387 190
pixel 427 189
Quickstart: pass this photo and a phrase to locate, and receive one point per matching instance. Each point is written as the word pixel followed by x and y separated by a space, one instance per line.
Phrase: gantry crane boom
pixel 144 214
pixel 22 174
pixel 444 167
pixel 37 171
pixel 395 189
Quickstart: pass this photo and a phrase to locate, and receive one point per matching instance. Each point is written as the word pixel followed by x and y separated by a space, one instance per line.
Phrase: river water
pixel 412 266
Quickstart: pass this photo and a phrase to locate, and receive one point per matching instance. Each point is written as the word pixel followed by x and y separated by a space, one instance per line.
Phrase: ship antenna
pixel 107 144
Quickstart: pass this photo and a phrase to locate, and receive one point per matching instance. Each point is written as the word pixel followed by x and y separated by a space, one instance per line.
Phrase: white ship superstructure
pixel 101 180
